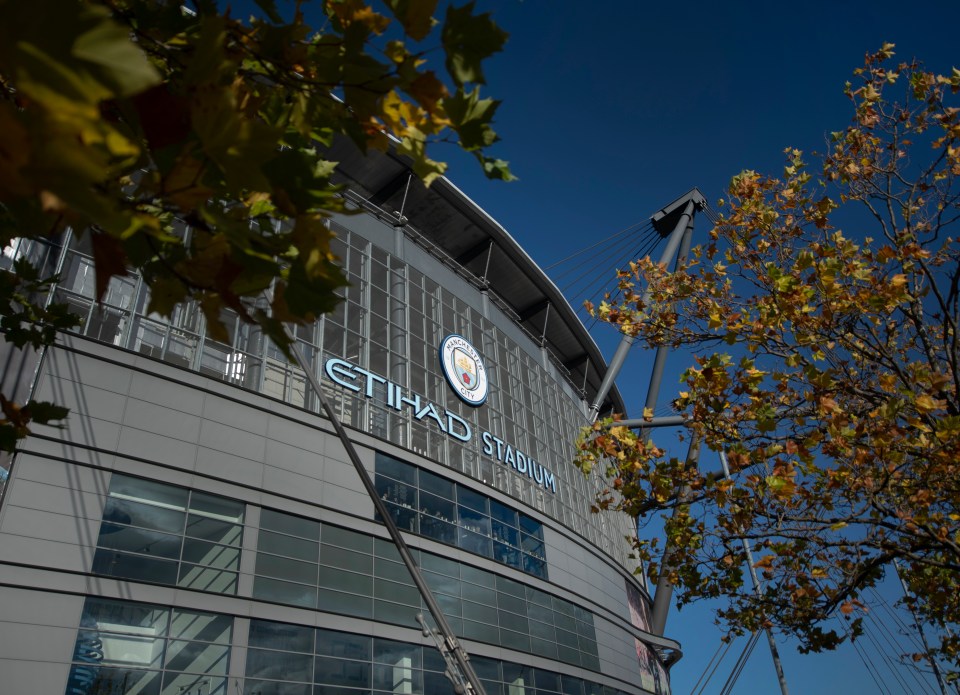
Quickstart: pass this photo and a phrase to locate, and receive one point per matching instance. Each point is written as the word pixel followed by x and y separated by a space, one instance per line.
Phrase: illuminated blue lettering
pixel 487 443
pixel 341 368
pixel 430 410
pixel 371 378
pixel 466 432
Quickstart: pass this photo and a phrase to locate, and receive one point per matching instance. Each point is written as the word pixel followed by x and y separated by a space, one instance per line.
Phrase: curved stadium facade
pixel 197 528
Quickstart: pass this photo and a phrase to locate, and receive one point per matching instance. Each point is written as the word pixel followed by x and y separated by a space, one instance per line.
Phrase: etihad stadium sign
pixel 373 386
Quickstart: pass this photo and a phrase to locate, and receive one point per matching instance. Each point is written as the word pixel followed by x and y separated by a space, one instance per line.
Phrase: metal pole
pixel 627 340
pixel 641 423
pixel 660 360
pixel 774 652
pixel 464 671
pixel 664 592
pixel 923 636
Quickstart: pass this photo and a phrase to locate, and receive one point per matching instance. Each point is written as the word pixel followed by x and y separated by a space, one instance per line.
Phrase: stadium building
pixel 197 528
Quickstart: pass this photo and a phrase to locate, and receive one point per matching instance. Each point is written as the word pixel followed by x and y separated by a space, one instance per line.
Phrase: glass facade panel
pixel 367 580
pixel 148 534
pixel 278 661
pixel 124 647
pixel 422 502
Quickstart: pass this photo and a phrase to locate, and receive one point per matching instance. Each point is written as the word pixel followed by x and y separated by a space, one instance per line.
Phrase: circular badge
pixel 464 369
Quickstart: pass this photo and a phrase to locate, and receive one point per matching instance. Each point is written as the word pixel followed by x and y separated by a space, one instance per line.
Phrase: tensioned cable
pixel 641 253
pixel 573 255
pixel 871 668
pixel 601 265
pixel 609 247
pixel 726 648
pixel 648 243
pixel 868 663
pixel 887 661
pixel 741 663
pixel 908 632
pixel 891 663
pixel 897 648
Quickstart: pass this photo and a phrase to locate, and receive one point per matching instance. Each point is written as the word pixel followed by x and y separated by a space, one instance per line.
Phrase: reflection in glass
pixel 125 647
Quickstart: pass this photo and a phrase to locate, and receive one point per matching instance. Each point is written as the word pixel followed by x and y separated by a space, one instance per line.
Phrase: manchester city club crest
pixel 464 369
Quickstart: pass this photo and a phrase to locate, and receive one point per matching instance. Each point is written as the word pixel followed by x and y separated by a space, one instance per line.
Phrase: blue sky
pixel 613 109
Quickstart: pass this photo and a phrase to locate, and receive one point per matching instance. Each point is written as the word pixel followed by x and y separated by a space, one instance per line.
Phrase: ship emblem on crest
pixel 464 369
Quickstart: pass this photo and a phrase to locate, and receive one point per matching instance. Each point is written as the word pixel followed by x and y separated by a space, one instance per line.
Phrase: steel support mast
pixel 681 212
pixel 459 670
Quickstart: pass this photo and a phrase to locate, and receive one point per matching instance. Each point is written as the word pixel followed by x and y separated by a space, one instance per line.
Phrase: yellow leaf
pixel 926 404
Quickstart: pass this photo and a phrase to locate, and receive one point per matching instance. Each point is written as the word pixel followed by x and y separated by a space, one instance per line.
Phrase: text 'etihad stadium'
pixel 360 380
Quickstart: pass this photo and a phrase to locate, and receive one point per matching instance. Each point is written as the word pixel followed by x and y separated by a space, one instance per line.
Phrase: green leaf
pixel 468 39
pixel 308 296
pixel 496 168
pixel 416 16
pixel 300 180
pixel 121 64
pixel 471 117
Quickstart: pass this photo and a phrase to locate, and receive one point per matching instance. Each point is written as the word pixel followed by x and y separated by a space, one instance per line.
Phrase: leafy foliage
pixel 128 119
pixel 827 368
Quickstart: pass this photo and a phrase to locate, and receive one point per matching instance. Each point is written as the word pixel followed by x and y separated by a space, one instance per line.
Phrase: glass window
pixel 506 534
pixel 285 592
pixel 137 540
pixel 279 544
pixel 467 524
pixel 341 580
pixel 132 647
pixel 334 671
pixel 438 530
pixel 159 494
pixel 472 500
pixel 282 636
pixel 144 529
pixel 439 564
pixel 285 568
pixel 436 485
pixel 206 579
pixel 214 529
pixel 344 603
pixel 405 517
pixel 503 513
pixel 479 604
pixel 349 664
pixel 392 468
pixel 343 645
pixel 136 567
pixel 289 524
pixel 334 535
pixel 277 665
pixel 439 507
pixel 480 594
pixel 442 583
pixel 211 554
pixel 121 511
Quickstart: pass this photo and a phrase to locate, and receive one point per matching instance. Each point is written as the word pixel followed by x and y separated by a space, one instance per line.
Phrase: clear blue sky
pixel 614 108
